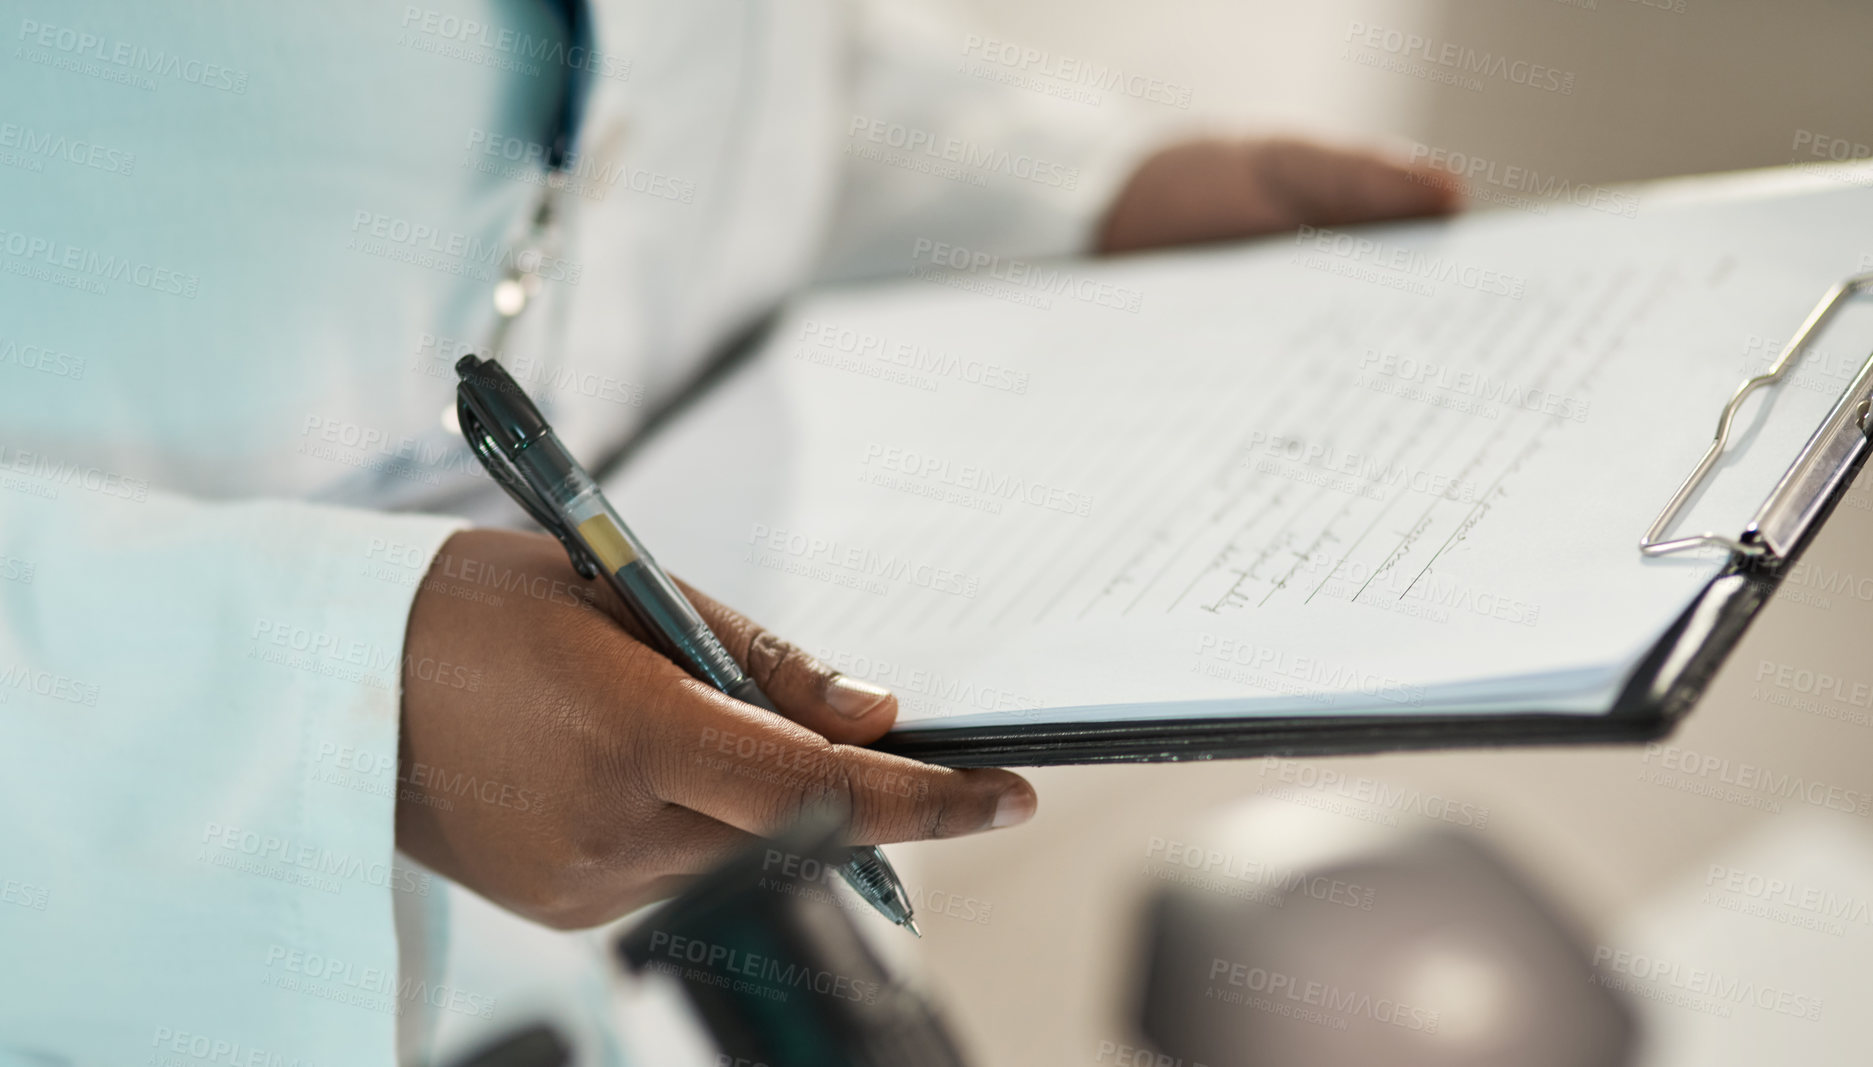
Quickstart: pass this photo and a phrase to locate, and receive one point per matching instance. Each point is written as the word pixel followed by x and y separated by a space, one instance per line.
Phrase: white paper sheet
pixel 1393 470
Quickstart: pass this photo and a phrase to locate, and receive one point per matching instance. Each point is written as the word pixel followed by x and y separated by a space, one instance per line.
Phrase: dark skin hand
pixel 607 774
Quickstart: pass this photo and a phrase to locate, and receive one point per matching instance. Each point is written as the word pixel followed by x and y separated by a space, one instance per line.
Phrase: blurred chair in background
pixel 776 971
pixel 1339 945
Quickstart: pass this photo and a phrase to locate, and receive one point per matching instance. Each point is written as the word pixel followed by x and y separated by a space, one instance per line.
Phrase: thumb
pixel 1329 186
pixel 840 708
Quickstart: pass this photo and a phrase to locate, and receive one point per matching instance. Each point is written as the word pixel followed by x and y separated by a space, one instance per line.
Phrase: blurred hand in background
pixel 1221 189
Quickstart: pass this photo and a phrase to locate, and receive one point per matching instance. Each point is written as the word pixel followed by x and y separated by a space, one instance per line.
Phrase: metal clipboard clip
pixel 1818 472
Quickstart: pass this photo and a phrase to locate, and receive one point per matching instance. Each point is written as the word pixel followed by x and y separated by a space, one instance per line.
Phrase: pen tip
pixel 911 925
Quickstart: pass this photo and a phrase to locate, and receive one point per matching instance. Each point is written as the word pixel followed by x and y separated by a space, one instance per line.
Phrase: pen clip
pixel 488 451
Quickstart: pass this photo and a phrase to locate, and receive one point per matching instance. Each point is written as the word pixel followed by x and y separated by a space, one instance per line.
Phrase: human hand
pixel 614 773
pixel 1213 190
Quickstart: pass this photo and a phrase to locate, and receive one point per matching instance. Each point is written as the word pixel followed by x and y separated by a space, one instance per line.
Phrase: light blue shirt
pixel 225 230
pixel 202 199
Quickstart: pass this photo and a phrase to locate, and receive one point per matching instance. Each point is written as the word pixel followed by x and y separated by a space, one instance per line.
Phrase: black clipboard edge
pixel 1183 740
pixel 1660 691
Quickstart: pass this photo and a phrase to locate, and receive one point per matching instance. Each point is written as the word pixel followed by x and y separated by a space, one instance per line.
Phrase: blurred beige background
pixel 1040 971
pixel 1719 85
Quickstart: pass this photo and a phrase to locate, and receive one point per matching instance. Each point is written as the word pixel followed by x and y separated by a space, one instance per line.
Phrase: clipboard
pixel 1658 692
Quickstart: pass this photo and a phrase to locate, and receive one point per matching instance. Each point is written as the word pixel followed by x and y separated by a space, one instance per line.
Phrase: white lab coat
pixel 201 618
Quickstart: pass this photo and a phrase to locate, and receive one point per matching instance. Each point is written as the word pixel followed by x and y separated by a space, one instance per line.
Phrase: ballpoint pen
pixel 521 452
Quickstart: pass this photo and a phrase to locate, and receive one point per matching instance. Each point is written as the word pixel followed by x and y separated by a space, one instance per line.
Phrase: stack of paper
pixel 1395 470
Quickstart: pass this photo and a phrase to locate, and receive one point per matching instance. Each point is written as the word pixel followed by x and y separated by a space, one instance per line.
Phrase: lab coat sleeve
pixel 944 143
pixel 199 711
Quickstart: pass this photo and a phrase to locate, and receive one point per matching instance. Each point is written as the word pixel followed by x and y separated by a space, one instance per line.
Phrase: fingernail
pixel 854 699
pixel 1013 808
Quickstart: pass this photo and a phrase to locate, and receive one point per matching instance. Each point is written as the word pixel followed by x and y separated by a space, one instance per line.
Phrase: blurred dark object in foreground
pixel 776 970
pixel 538 1046
pixel 1426 951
